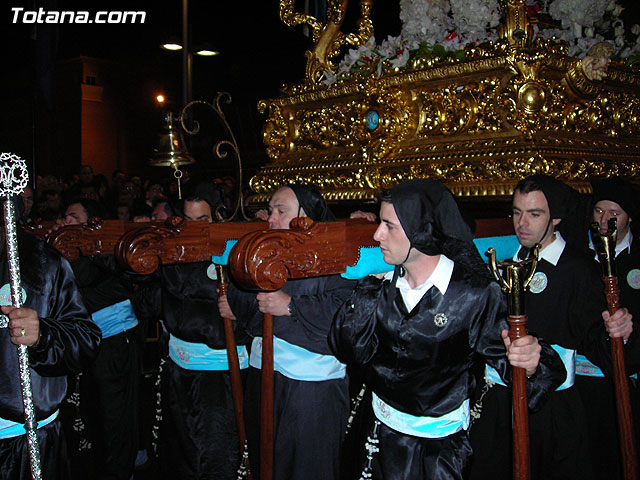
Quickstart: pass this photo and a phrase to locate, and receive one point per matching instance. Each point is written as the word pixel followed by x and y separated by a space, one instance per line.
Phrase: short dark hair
pixel 92 207
pixel 527 185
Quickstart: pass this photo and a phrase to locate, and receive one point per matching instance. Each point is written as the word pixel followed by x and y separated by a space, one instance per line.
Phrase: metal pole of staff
pixel 13 179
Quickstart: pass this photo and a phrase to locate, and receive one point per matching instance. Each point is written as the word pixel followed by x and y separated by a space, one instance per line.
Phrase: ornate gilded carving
pixel 510 108
pixel 327 36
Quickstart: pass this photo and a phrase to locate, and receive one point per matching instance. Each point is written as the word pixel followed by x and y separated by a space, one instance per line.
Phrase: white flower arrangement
pixel 443 28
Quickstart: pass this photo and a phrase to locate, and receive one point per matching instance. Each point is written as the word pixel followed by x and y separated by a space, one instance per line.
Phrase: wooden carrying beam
pixel 143 250
pixel 264 260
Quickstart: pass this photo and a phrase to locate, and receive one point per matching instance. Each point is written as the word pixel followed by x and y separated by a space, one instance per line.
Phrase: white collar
pixel 440 277
pixel 552 252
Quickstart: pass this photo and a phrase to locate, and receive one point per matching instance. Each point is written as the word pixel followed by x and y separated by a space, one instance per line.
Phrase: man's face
pixel 606 209
pixel 86 174
pixel 530 218
pixel 53 202
pixel 283 208
pixel 198 210
pixel 159 212
pixel 27 200
pixel 394 243
pixel 75 215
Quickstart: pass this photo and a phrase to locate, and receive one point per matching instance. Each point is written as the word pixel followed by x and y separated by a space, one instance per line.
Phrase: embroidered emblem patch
pixel 633 278
pixel 538 282
pixel 382 408
pixel 5 295
pixel 211 272
pixel 440 320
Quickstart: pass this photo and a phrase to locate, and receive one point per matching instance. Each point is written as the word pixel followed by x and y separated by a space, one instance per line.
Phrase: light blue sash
pixel 568 358
pixel 424 427
pixel 587 369
pixel 298 363
pixel 115 319
pixel 9 429
pixel 198 356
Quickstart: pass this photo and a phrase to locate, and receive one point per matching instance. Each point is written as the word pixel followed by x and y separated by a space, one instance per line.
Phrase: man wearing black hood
pixel 613 197
pixel 417 332
pixel 564 306
pixel 311 398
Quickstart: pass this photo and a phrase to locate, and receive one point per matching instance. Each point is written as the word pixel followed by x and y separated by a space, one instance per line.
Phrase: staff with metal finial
pixel 244 471
pixel 605 246
pixel 518 277
pixel 13 179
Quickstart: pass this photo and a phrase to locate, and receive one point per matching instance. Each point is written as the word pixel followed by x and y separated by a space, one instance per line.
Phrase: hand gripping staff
pixel 605 246
pixel 518 277
pixel 13 180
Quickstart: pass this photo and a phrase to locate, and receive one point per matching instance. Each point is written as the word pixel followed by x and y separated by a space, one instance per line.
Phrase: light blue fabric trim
pixel 505 246
pixel 424 427
pixel 198 356
pixel 298 363
pixel 586 368
pixel 9 429
pixel 115 319
pixel 371 261
pixel 224 258
pixel 567 356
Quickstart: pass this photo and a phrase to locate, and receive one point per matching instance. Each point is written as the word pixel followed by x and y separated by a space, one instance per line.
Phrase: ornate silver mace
pixel 13 179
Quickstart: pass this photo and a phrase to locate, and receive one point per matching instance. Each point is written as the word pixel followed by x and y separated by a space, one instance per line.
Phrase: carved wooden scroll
pixel 266 259
pixel 97 237
pixel 144 249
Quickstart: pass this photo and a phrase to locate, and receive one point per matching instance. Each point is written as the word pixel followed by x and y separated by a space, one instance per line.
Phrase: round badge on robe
pixel 538 282
pixel 633 278
pixel 5 295
pixel 211 272
pixel 4 321
pixel 440 320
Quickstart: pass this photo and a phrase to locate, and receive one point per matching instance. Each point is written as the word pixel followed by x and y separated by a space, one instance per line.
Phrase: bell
pixel 171 150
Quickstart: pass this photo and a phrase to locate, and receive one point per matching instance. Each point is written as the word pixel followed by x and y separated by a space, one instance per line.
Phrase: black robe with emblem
pixel 198 434
pixel 422 369
pixel 68 341
pixel 567 312
pixel 598 393
pixel 309 416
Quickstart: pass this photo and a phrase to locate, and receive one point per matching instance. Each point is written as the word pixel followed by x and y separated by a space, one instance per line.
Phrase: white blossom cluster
pixel 456 23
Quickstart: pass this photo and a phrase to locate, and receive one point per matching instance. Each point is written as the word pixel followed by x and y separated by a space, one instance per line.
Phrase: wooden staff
pixel 605 246
pixel 234 373
pixel 515 285
pixel 266 400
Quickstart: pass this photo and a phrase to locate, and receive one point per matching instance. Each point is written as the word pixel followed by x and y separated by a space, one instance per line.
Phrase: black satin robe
pixel 110 384
pixel 309 417
pixel 566 313
pixel 425 370
pixel 198 436
pixel 68 341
